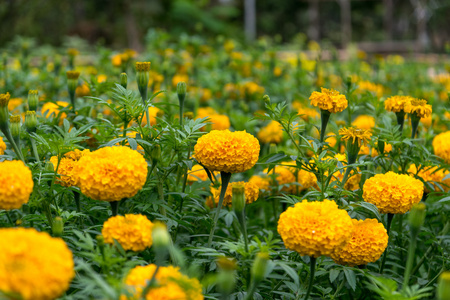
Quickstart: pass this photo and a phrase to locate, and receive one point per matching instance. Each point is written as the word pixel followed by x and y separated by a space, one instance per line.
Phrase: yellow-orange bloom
pixel 329 99
pixel 16 184
pixel 2 146
pixel 315 228
pixel 133 232
pixel 397 103
pixel 251 191
pixel 364 122
pixel 171 284
pixel 50 108
pixel 262 183
pixel 367 244
pixel 418 107
pixel 432 175
pixel 284 176
pixel 358 135
pixel 393 193
pixel 441 146
pixel 67 165
pixel 272 133
pixel 33 265
pixel 226 151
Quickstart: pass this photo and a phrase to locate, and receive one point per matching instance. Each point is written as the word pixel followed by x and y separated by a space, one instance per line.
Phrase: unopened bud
pixel 100 116
pixel 226 278
pixel 100 240
pixel 4 113
pixel 124 80
pixel 58 226
pixel 14 123
pixel 259 266
pixel 49 167
pixel 31 121
pixel 181 90
pixel 160 235
pixel 142 78
pixel 443 288
pixel 19 222
pixel 238 199
pixel 33 100
pixel 226 263
pixel 189 115
pixel 417 215
pixel 273 148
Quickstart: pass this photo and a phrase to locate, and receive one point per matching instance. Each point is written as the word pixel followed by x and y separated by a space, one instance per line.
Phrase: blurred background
pixel 373 25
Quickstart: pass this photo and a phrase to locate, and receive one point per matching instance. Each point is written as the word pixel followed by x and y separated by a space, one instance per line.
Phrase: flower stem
pixel 324 117
pixel 225 180
pixel 114 207
pixel 76 197
pixel 400 119
pixel 312 265
pixel 388 229
pixel 35 152
pixel 410 260
pixel 8 135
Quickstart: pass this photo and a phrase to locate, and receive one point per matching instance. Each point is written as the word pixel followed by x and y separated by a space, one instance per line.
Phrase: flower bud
pixel 226 263
pixel 181 90
pixel 100 240
pixel 417 215
pixel 156 153
pixel 160 235
pixel 57 62
pixel 72 82
pixel 4 113
pixel 14 123
pixel 142 78
pixel 226 278
pixel 238 199
pixel 443 288
pixel 31 121
pixel 19 222
pixel 33 100
pixel 49 167
pixel 266 99
pixel 189 115
pixel 259 266
pixel 124 80
pixel 58 226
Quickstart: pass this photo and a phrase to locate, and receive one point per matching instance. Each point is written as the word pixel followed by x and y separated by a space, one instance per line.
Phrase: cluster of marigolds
pixel 318 228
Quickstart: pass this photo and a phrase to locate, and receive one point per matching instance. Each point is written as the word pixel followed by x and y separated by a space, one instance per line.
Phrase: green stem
pixel 9 218
pixel 35 152
pixel 8 135
pixel 324 117
pixel 225 180
pixel 388 229
pixel 400 119
pixel 312 264
pixel 76 197
pixel 114 207
pixel 410 260
pixel 241 218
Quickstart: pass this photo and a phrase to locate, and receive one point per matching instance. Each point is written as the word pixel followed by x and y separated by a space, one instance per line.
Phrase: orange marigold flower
pixel 2 146
pixel 251 194
pixel 431 174
pixel 397 103
pixel 67 165
pixel 441 146
pixel 284 177
pixel 16 184
pixel 418 107
pixel 272 133
pixel 364 122
pixel 329 99
pixel 358 135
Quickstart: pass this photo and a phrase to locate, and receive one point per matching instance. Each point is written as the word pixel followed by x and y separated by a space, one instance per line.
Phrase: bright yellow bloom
pixel 365 150
pixel 441 146
pixel 218 122
pixel 315 228
pixel 284 176
pixel 14 105
pixel 432 175
pixel 197 173
pixel 418 107
pixel 251 89
pixel 367 86
pixel 82 90
pixel 50 108
pixel 2 146
pixel 66 166
pixel 356 134
pixel 111 173
pixel 393 193
pixel 262 183
pixel 16 184
pixel 178 78
pixel 397 103
pixel 304 178
pixel 226 151
pixel 154 112
pixel 272 133
pixel 251 191
pixel 171 284
pixel 364 122
pixel 133 232
pixel 33 265
pixel 308 114
pixel 367 244
pixel 329 99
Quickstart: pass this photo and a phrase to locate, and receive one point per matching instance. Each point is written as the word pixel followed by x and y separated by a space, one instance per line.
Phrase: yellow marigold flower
pixel 251 194
pixel 67 165
pixel 272 133
pixel 82 90
pixel 154 112
pixel 262 183
pixel 397 103
pixel 367 244
pixel 50 108
pixel 418 107
pixel 2 146
pixel 33 265
pixel 432 175
pixel 329 99
pixel 133 232
pixel 284 176
pixel 14 105
pixel 365 150
pixel 367 86
pixel 16 184
pixel 218 121
pixel 251 89
pixel 364 122
pixel 315 228
pixel 393 193
pixel 441 146
pixel 116 60
pixel 171 284
pixel 361 136
pixel 308 114
pixel 73 52
pixel 111 173
pixel 178 78
pixel 198 173
pixel 304 178
pixel 73 74
pixel 226 151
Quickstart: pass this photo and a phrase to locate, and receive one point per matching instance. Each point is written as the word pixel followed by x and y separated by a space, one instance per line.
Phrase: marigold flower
pixel 307 113
pixel 218 121
pixel 418 107
pixel 397 103
pixel 33 265
pixel 67 165
pixel 305 178
pixel 329 99
pixel 364 122
pixel 315 228
pixel 226 151
pixel 272 133
pixel 432 175
pixel 251 194
pixel 262 183
pixel 441 146
pixel 284 176
pixel 133 232
pixel 2 146
pixel 171 284
pixel 367 244
pixel 361 136
pixel 16 184
pixel 50 108
pixel 393 193
pixel 82 90
pixel 111 173
pixel 367 86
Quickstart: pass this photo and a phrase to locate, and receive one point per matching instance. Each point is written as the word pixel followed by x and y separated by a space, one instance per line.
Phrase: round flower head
pixel 111 173
pixel 67 165
pixel 368 242
pixel 393 193
pixel 225 151
pixel 171 284
pixel 197 173
pixel 284 176
pixel 218 122
pixel 272 133
pixel 33 265
pixel 315 228
pixel 2 146
pixel 262 183
pixel 304 178
pixel 432 175
pixel 329 99
pixel 419 108
pixel 133 232
pixel 16 184
pixel 441 146
pixel 361 136
pixel 397 103
pixel 364 122
pixel 251 194
pixel 307 113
